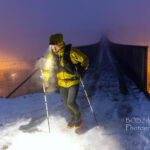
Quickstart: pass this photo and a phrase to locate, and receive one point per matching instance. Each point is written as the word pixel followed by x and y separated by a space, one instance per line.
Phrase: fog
pixel 25 26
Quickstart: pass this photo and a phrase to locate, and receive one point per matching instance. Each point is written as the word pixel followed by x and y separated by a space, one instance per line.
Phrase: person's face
pixel 55 48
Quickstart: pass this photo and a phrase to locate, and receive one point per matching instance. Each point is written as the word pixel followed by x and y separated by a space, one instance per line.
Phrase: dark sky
pixel 25 25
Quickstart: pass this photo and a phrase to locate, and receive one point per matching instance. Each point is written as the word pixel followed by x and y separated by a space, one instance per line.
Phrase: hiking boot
pixel 78 121
pixel 71 123
pixel 78 124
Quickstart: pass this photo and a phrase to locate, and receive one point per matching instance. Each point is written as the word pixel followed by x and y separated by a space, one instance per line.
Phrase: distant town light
pixel 13 75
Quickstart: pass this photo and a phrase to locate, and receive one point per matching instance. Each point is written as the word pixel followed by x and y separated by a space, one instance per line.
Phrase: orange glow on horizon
pixel 11 62
pixel 13 70
pixel 148 71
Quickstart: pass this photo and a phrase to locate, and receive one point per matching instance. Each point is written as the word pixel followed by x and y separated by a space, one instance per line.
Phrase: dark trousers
pixel 68 96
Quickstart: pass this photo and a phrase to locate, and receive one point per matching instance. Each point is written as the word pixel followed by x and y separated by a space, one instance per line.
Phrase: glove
pixel 45 75
pixel 79 70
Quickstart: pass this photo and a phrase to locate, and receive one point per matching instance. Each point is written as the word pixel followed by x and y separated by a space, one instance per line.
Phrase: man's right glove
pixel 45 75
pixel 79 70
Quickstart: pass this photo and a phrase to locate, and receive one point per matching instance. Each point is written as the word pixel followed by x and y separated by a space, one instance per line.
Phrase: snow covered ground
pixel 124 122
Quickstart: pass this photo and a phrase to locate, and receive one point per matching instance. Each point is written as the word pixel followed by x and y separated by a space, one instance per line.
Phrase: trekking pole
pixel 21 84
pixel 89 102
pixel 46 107
pixel 87 97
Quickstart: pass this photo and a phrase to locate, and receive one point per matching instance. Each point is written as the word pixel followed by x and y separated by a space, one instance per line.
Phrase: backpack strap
pixel 66 57
pixel 68 65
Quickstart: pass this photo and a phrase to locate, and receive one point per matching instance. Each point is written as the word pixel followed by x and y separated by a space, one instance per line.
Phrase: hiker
pixel 71 66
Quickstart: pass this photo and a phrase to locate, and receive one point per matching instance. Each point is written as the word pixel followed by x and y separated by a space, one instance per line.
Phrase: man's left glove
pixel 80 71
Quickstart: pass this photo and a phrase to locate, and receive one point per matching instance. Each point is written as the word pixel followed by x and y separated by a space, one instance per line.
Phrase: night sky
pixel 25 25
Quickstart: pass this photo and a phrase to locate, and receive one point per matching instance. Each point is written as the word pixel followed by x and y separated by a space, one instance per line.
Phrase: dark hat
pixel 56 38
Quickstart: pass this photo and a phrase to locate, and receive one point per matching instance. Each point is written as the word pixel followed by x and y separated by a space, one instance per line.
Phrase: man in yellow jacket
pixel 71 64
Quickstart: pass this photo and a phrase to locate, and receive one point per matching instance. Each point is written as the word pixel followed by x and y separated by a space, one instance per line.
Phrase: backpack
pixel 69 67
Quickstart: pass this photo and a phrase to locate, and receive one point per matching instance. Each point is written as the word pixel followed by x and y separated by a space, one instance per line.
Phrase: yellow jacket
pixel 63 77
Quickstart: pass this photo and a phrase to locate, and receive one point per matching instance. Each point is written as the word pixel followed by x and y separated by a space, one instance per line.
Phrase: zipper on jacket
pixel 63 71
pixel 65 79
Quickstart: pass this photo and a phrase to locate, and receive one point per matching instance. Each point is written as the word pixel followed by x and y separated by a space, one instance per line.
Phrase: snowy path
pixel 22 119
